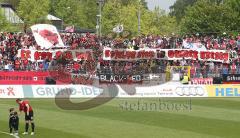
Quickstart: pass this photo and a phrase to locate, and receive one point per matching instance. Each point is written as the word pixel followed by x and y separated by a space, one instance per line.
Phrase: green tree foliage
pixel 209 17
pixel 81 13
pixel 235 4
pixel 152 22
pixel 33 11
pixel 90 10
pixel 158 22
pixel 3 22
pixel 179 7
pixel 110 16
pixel 70 11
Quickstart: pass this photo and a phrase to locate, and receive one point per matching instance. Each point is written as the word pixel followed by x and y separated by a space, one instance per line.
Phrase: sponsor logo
pixel 190 91
pixel 7 92
pixel 10 91
pixel 227 92
pixel 77 91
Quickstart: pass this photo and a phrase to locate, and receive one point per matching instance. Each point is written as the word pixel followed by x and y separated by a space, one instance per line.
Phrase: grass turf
pixel 208 118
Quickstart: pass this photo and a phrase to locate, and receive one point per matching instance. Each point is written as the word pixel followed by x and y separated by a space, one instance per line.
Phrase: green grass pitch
pixel 208 118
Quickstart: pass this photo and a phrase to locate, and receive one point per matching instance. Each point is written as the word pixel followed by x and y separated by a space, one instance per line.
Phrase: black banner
pixel 120 78
pixel 233 78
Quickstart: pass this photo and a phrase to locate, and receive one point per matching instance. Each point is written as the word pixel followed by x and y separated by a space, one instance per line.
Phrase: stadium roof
pixel 10 13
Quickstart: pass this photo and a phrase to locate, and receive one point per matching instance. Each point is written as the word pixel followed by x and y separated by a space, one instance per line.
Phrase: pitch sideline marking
pixel 9 134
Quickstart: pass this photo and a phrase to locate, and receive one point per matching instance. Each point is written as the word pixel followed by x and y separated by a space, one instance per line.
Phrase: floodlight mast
pixel 99 18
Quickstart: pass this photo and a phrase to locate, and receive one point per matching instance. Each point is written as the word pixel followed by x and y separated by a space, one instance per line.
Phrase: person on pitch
pixel 28 110
pixel 13 121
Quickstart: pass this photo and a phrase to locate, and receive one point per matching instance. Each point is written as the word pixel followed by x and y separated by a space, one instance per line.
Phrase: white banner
pixel 46 36
pixel 118 29
pixel 194 46
pixel 167 54
pixel 39 55
pixel 83 91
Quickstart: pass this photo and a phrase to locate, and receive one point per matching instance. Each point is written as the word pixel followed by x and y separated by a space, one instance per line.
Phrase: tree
pixel 209 17
pixel 235 4
pixel 33 11
pixel 179 7
pixel 71 12
pixel 161 23
pixel 125 12
pixel 152 22
pixel 3 22
pixel 129 2
pixel 110 15
pixel 90 10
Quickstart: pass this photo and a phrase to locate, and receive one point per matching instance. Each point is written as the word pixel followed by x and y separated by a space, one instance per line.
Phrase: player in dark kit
pixel 27 109
pixel 13 121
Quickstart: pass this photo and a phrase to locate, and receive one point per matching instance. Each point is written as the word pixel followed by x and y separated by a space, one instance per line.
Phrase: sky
pixel 163 4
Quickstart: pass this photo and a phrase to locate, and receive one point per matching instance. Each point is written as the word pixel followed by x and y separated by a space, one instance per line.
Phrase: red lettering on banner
pixel 139 54
pixel 58 54
pixel 28 78
pixel 151 54
pixel 195 54
pixel 213 55
pixel 130 54
pixel 42 55
pixel 81 56
pixel 36 56
pixel 107 53
pixel 170 54
pixel 208 55
pixel 144 54
pixel 112 54
pixel 202 55
pixel 202 81
pixel 176 55
pixel 68 55
pixel 119 54
pixel 225 56
pixel 182 54
pixel 222 56
pixel 217 56
pixel 188 54
pixel 25 54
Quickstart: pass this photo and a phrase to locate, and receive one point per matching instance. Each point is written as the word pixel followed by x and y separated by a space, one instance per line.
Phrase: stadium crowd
pixel 10 43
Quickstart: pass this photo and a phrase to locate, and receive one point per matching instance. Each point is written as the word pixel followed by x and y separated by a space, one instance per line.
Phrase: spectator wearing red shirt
pixel 25 63
pixel 193 70
pixel 41 66
pixel 17 64
pixel 76 67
